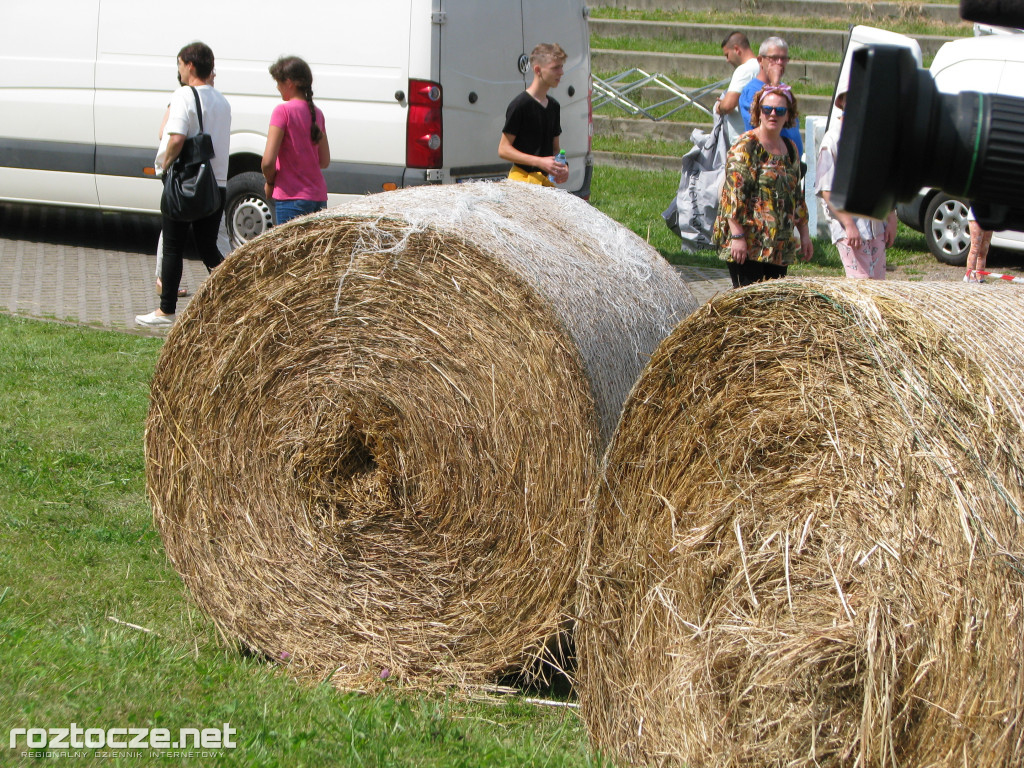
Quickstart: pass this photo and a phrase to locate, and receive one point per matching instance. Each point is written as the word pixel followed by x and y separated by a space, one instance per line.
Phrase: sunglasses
pixel 777 59
pixel 768 110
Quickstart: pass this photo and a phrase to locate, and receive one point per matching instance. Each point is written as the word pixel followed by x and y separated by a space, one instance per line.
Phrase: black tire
pixel 946 230
pixel 912 214
pixel 247 212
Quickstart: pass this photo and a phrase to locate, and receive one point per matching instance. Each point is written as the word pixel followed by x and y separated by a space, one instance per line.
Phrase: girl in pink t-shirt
pixel 297 149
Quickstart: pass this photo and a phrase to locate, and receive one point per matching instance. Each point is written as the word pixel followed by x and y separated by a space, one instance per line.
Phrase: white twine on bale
pixel 484 206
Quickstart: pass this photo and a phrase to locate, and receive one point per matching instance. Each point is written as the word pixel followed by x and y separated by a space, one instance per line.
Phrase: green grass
pixel 912 23
pixel 79 549
pixel 637 198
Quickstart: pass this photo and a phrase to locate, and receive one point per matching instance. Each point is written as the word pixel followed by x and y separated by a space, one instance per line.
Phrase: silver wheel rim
pixel 249 218
pixel 949 227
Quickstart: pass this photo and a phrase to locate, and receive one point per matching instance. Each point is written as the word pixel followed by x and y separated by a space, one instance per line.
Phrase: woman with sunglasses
pixel 761 208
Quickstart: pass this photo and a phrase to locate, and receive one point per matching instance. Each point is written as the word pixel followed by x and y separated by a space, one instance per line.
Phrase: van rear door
pixel 479 56
pixel 565 22
pixel 483 66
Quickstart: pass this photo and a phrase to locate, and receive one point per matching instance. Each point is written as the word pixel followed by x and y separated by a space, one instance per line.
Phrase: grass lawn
pixel 81 562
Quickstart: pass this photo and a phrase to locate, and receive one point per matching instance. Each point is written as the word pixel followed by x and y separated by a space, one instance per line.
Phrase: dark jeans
pixel 286 210
pixel 750 272
pixel 175 235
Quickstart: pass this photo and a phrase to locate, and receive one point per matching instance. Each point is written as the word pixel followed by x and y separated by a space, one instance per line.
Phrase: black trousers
pixel 750 272
pixel 175 235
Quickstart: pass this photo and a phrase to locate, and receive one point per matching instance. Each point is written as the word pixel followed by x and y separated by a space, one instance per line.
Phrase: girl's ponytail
pixel 314 130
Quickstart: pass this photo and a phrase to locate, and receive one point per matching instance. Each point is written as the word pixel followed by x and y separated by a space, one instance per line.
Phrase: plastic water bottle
pixel 560 159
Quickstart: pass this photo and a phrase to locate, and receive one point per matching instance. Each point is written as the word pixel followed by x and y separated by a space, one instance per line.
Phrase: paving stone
pixel 82 267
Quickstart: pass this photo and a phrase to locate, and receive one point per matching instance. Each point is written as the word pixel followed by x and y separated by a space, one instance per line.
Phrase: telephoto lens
pixel 901 134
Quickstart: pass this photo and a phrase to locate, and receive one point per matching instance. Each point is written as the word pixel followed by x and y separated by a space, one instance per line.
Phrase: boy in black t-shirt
pixel 529 139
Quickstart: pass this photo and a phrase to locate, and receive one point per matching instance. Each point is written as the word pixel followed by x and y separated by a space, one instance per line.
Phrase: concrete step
pixel 809 105
pixel 856 11
pixel 710 68
pixel 833 40
pixel 639 129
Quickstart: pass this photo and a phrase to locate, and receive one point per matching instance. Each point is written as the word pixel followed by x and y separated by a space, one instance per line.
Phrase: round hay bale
pixel 372 431
pixel 807 537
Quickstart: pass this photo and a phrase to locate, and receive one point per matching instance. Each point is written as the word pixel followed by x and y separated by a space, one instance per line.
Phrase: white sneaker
pixel 153 320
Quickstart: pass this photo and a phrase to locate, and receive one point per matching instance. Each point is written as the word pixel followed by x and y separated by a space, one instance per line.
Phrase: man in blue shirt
pixel 772 56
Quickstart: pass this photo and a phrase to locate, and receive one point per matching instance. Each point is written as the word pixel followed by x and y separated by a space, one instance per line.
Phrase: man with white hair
pixel 772 57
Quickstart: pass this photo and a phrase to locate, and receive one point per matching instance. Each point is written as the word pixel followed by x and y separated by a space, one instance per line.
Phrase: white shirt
pixel 869 229
pixel 742 75
pixel 184 119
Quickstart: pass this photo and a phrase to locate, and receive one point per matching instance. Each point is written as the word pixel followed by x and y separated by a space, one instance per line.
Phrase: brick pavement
pixel 95 269
pixel 81 267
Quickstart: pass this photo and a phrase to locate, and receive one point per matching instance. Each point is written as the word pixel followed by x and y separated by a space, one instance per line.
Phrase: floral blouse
pixel 762 192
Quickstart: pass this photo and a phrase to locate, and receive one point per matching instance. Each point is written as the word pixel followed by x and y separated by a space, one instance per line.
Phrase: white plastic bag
pixel 692 213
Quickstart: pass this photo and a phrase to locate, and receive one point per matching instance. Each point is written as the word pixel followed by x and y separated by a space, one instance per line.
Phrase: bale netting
pixel 806 546
pixel 372 431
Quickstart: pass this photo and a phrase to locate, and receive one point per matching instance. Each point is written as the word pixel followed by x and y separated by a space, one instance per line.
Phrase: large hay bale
pixel 807 540
pixel 372 430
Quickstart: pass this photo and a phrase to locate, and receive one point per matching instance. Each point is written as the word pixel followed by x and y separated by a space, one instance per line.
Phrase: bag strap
pixel 199 107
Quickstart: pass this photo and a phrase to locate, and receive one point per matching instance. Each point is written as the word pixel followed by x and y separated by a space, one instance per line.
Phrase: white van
pixel 413 91
pixel 992 63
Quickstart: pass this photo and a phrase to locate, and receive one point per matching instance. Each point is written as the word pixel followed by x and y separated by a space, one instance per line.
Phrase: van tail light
pixel 423 139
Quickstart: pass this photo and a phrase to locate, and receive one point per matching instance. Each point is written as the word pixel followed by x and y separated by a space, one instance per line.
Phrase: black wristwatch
pixel 737 237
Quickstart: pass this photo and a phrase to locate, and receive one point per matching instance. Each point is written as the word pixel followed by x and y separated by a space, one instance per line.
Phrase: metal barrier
pixel 616 89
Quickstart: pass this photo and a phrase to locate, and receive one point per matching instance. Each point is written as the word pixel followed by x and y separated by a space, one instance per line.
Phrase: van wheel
pixel 946 230
pixel 247 213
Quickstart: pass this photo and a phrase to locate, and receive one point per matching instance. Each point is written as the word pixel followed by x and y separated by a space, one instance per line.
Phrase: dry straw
pixel 372 430
pixel 807 540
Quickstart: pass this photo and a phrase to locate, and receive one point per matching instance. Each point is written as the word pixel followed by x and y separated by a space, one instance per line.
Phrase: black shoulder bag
pixel 190 189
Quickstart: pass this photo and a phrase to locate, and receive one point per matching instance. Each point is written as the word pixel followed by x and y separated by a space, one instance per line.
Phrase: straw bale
pixel 372 430
pixel 806 546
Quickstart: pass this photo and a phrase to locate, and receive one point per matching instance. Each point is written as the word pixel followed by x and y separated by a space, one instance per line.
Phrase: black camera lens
pixel 900 134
